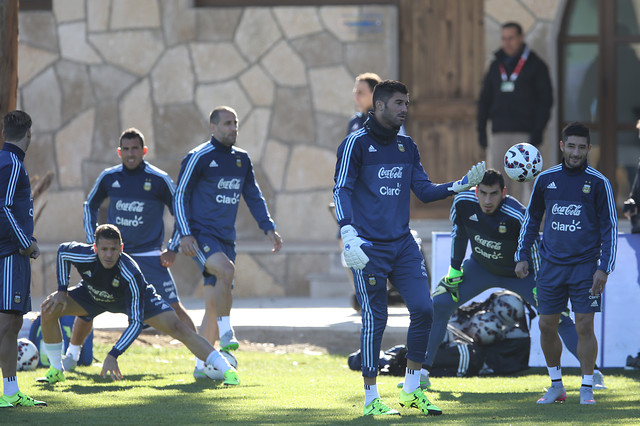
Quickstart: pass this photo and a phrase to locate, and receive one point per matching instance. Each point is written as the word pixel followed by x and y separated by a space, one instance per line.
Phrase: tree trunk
pixel 9 55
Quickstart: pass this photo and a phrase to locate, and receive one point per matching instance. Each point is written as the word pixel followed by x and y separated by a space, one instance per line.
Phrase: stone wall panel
pixel 98 15
pixel 172 78
pixel 109 82
pixel 77 90
pixel 68 10
pixel 42 98
pixel 319 50
pixel 306 215
pixel 229 93
pixel 285 66
pixel 179 131
pixel 134 51
pixel 178 21
pixel 293 116
pixel 74 46
pixel 72 148
pixel 217 24
pixel 274 163
pixel 330 89
pixel 38 29
pixel 310 168
pixel 297 22
pixel 258 86
pixel 127 14
pixel 32 61
pixel 256 33
pixel 136 110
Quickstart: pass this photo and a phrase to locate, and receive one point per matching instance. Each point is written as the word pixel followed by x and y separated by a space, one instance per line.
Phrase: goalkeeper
pixel 491 221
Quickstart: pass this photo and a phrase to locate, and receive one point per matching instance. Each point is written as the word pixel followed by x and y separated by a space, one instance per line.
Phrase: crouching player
pixel 112 282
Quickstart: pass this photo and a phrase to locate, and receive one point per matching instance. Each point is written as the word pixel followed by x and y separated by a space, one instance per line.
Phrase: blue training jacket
pixel 494 238
pixel 373 182
pixel 119 289
pixel 136 206
pixel 581 223
pixel 16 202
pixel 212 178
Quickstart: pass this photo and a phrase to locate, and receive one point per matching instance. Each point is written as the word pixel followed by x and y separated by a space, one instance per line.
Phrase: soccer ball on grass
pixel 523 162
pixel 485 328
pixel 28 355
pixel 215 374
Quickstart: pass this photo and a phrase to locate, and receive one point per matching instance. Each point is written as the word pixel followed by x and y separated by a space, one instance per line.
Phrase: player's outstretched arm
pixel 110 365
pixel 189 245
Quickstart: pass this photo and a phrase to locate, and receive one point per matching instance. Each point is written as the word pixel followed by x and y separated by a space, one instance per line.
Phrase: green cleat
pixel 231 377
pixel 5 404
pixel 21 400
pixel 417 399
pixel 228 341
pixel 199 374
pixel 53 376
pixel 379 408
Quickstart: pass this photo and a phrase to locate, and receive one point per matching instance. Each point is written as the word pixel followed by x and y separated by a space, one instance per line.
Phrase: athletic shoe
pixel 69 363
pixel 554 393
pixel 633 363
pixel 53 376
pixel 598 380
pixel 586 396
pixel 5 404
pixel 228 341
pixel 22 400
pixel 198 373
pixel 231 377
pixel 417 399
pixel 425 383
pixel 379 408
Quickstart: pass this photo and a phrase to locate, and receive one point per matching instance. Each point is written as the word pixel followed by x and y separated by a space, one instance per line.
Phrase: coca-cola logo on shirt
pixel 133 206
pixel 392 173
pixel 569 210
pixel 229 184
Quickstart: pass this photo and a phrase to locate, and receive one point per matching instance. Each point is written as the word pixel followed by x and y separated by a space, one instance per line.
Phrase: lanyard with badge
pixel 509 83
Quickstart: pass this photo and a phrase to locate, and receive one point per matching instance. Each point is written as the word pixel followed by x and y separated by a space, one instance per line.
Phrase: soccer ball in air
pixel 485 328
pixel 28 355
pixel 215 374
pixel 522 162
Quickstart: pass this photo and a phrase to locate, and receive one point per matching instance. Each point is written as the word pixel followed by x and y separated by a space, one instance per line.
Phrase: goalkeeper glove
pixel 449 284
pixel 354 256
pixel 472 178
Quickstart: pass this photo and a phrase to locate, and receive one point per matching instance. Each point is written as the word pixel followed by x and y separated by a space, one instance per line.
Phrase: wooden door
pixel 442 63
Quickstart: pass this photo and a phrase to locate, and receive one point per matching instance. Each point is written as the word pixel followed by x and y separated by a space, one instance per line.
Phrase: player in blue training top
pixel 490 220
pixel 17 248
pixel 213 177
pixel 112 282
pixel 138 193
pixel 376 171
pixel 578 253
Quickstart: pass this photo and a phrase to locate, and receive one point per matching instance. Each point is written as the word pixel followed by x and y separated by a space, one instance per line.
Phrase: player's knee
pixel 547 325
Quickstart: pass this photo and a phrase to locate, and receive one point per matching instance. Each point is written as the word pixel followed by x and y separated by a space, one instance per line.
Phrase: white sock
pixel 73 351
pixel 596 371
pixel 587 380
pixel 424 372
pixel 54 352
pixel 411 380
pixel 218 361
pixel 555 373
pixel 199 364
pixel 370 393
pixel 10 385
pixel 224 325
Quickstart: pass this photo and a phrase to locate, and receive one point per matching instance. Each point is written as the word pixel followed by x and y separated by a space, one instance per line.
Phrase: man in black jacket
pixel 517 97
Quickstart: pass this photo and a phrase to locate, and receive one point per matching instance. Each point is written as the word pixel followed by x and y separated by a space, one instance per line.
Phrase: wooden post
pixel 9 55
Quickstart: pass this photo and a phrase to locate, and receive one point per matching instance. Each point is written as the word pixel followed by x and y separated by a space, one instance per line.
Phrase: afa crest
pixel 400 147
pixel 147 185
pixel 238 162
pixel 502 228
pixel 586 188
pixel 206 249
pixel 372 280
pixel 17 298
pixel 115 283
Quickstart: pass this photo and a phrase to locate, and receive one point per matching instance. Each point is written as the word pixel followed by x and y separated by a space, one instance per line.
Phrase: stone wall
pixel 90 68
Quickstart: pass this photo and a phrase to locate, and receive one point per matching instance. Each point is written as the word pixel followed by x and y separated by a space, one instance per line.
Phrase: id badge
pixel 507 86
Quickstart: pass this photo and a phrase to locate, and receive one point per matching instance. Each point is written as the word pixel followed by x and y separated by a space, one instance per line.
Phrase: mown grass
pixel 302 389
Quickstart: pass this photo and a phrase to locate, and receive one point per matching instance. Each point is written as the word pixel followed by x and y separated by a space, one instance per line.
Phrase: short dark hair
pixel 16 123
pixel 132 133
pixel 385 90
pixel 214 117
pixel 514 25
pixel 491 177
pixel 371 78
pixel 108 232
pixel 576 129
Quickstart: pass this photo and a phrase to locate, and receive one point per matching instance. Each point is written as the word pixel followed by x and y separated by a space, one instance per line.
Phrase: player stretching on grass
pixel 112 282
pixel 138 193
pixel 490 220
pixel 578 253
pixel 375 173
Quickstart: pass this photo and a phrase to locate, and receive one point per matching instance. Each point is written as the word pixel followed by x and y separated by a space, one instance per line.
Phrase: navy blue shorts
pixel 559 283
pixel 209 245
pixel 16 283
pixel 156 274
pixel 153 303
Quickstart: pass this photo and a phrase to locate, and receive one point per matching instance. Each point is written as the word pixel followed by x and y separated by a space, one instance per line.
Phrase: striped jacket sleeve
pixel 606 209
pixel 530 231
pixel 459 237
pixel 187 179
pixel 255 201
pixel 69 254
pixel 347 169
pixel 11 175
pixel 135 306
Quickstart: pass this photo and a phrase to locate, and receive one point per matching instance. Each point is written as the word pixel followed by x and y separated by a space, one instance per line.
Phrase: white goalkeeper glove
pixel 472 178
pixel 354 256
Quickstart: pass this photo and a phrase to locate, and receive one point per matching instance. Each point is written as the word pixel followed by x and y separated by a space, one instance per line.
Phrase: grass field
pixel 299 388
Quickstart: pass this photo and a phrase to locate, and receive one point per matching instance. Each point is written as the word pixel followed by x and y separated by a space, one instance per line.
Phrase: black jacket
pixel 526 109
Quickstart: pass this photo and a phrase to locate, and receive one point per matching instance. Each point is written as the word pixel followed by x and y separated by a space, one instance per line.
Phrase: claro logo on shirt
pixel 225 199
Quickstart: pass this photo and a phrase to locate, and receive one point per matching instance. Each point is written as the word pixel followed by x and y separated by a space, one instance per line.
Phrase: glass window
pixel 627 17
pixel 628 155
pixel 583 18
pixel 580 82
pixel 628 83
